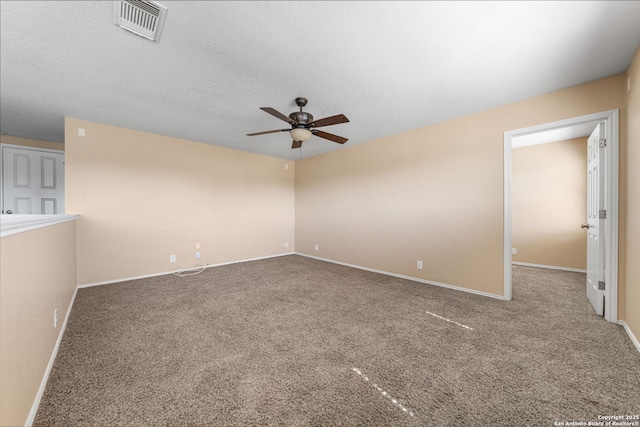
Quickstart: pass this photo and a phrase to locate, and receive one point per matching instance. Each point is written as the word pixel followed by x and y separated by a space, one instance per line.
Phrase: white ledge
pixel 14 224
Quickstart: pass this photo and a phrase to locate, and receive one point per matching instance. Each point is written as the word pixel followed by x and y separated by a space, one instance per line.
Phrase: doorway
pixel 610 176
pixel 548 199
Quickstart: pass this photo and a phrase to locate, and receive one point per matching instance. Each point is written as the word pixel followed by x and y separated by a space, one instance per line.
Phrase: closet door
pixel 32 181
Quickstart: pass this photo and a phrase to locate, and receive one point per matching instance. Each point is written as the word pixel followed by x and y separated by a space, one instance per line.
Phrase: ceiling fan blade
pixel 328 121
pixel 278 114
pixel 267 131
pixel 296 144
pixel 329 136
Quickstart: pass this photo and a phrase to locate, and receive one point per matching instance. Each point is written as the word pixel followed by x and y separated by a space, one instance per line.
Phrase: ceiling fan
pixel 302 125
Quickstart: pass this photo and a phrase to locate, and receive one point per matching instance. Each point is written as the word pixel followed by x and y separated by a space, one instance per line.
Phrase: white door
pixel 32 181
pixel 595 219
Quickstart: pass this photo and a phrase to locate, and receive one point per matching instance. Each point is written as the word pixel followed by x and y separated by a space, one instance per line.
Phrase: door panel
pixel 22 206
pixel 48 206
pixel 21 171
pixel 48 172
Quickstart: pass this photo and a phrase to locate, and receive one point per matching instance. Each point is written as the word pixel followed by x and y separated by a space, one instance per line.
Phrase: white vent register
pixel 142 17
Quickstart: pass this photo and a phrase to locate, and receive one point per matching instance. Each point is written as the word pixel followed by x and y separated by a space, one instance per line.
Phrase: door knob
pixel 584 226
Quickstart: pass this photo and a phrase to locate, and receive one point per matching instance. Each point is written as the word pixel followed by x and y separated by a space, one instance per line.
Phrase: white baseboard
pixel 189 268
pixel 52 359
pixel 124 279
pixel 634 340
pixel 550 267
pixel 400 276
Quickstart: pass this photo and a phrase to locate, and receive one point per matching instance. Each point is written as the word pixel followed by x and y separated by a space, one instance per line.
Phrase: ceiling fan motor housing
pixel 301 117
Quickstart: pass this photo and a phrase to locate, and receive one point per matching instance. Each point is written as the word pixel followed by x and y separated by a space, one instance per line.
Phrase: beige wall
pixel 433 194
pixel 143 197
pixel 631 159
pixel 6 139
pixel 37 275
pixel 549 202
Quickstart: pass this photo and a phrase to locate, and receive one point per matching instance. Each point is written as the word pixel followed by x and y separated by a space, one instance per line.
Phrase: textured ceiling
pixel 388 66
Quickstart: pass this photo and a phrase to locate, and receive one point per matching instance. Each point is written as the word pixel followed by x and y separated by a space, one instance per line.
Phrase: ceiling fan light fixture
pixel 300 134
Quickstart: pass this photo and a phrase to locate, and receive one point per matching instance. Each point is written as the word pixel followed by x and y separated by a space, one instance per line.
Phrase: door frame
pixel 611 118
pixel 19 147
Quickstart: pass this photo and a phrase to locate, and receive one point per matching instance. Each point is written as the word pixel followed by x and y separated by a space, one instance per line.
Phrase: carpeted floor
pixel 293 341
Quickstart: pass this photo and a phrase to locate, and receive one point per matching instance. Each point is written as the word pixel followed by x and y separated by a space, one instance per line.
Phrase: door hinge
pixel 603 142
pixel 602 214
pixel 600 285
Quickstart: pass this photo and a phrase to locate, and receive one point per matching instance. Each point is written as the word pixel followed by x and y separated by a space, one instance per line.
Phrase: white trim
pixel 549 267
pixel 634 340
pixel 561 134
pixel 126 279
pixel 14 224
pixel 611 202
pixel 31 148
pixel 54 353
pixel 146 276
pixel 507 254
pixel 400 276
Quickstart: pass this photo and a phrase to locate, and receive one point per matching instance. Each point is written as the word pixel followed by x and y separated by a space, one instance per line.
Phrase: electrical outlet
pixel 55 318
pixel 419 265
pixel 514 251
pixel 285 244
pixel 172 258
pixel 316 247
pixel 197 255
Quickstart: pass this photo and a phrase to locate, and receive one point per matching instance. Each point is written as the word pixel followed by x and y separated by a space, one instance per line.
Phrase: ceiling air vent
pixel 142 17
